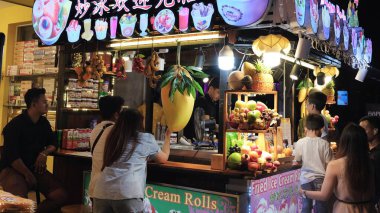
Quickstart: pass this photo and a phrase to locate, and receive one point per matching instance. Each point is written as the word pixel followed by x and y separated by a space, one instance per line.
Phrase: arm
pixel 328 186
pixel 40 164
pixel 163 155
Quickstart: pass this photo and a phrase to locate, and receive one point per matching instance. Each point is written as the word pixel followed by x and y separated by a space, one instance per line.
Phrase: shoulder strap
pixel 98 137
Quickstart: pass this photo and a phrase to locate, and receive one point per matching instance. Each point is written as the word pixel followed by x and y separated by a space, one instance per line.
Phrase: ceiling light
pixel 205 80
pixel 226 58
pixel 271 59
pixel 362 73
pixel 321 78
pixel 295 73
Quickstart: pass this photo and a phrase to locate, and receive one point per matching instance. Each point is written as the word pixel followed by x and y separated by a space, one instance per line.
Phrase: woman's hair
pixel 354 146
pixel 124 131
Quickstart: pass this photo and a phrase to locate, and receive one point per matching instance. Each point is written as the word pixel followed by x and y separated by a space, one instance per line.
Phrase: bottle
pixel 158 131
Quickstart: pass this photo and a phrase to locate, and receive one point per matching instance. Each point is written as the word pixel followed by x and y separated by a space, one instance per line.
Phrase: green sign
pixel 173 199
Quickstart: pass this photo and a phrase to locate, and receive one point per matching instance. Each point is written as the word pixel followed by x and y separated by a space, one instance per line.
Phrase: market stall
pixel 141 51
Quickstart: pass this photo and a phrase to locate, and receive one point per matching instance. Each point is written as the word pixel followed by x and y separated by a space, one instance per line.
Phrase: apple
pixel 245 158
pixel 257 114
pixel 245 149
pixel 276 163
pixel 253 166
pixel 251 105
pixel 268 165
pixel 234 160
pixel 231 117
pixel 261 106
pixel 268 158
pixel 240 104
pixel 253 155
pixel 254 147
pixel 336 117
pixel 251 117
pixel 259 152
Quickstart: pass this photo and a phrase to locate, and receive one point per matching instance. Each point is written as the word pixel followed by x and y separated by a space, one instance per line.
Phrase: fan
pixel 199 131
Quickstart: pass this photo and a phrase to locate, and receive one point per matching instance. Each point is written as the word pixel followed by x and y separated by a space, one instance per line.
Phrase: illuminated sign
pixel 337 29
pixel 242 13
pixel 50 19
pixel 314 15
pixel 110 19
pixel 368 51
pixel 300 11
pixel 346 37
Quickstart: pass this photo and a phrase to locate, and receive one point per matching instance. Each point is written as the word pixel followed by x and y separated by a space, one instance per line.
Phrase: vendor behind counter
pixel 210 105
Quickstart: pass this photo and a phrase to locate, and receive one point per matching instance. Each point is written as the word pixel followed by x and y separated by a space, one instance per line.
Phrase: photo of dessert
pixel 202 15
pixel 127 24
pixel 101 27
pixel 368 51
pixel 346 37
pixel 50 19
pixel 164 21
pixel 314 15
pixel 326 22
pixel 73 31
pixel 354 41
pixel 88 33
pixel 337 29
pixel 300 11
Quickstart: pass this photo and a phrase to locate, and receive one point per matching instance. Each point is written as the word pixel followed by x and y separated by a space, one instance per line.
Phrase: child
pixel 316 102
pixel 314 153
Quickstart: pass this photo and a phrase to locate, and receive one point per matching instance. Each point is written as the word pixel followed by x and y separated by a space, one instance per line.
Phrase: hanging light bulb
pixel 321 78
pixel 199 59
pixel 205 80
pixel 295 73
pixel 272 59
pixel 226 58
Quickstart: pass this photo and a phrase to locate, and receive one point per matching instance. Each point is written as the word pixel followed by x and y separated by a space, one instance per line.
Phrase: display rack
pixel 248 95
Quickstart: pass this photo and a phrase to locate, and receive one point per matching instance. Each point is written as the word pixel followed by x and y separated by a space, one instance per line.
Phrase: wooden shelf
pixel 248 131
pixel 250 92
pixel 105 73
pixel 32 76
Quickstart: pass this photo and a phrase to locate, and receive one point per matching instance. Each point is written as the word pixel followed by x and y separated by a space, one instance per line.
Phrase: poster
pixel 277 193
pixel 165 198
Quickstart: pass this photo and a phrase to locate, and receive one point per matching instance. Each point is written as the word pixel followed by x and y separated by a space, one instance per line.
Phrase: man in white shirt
pixel 110 107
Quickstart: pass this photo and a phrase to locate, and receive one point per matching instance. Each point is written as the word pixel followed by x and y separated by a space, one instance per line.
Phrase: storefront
pixel 123 48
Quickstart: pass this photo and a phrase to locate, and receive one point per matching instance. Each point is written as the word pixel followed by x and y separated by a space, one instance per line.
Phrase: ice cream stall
pixel 132 48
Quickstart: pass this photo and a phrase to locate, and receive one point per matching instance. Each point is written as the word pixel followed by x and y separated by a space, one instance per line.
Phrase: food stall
pixel 248 169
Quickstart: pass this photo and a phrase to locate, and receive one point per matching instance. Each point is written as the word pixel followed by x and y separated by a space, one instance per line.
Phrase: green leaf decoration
pixel 179 79
pixel 173 89
pixel 192 68
pixel 305 83
pixel 198 87
pixel 166 81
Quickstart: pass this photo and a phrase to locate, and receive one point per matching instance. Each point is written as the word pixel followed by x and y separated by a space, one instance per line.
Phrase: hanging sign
pixel 110 19
pixel 346 37
pixel 242 12
pixel 314 15
pixel 368 51
pixel 174 199
pixel 300 11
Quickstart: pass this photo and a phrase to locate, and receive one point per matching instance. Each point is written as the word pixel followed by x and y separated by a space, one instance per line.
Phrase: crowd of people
pixel 350 178
pixel 121 149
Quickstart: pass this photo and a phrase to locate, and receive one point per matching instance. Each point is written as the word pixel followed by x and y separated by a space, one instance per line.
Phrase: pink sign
pixel 277 193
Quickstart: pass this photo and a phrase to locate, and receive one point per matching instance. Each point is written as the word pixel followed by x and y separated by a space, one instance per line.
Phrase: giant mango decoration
pixel 178 95
pixel 304 88
pixel 178 112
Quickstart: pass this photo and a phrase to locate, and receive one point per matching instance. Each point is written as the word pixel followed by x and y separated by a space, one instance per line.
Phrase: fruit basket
pixel 248 124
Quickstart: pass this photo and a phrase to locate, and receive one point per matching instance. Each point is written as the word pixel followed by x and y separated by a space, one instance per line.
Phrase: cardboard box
pixel 26 71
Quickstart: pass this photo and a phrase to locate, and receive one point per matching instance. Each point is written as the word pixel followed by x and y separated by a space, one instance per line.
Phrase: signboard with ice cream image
pixel 110 19
pixel 277 193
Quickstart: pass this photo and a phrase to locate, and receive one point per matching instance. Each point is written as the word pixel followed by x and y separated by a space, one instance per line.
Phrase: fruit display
pixel 98 66
pixel 304 88
pixel 234 80
pixel 247 156
pixel 252 115
pixel 331 120
pixel 178 92
pixel 151 68
pixel 138 63
pixel 329 91
pixel 119 68
pixel 262 79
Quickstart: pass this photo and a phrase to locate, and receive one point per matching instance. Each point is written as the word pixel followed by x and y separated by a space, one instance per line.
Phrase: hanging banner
pixel 172 199
pixel 277 193
pixel 85 20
